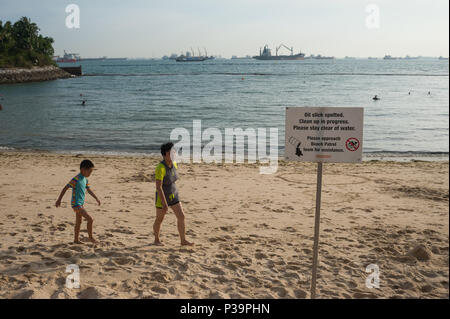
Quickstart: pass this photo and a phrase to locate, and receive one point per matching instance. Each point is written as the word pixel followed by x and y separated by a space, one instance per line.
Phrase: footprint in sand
pixel 260 256
pixel 63 254
pixel 122 261
pixel 214 270
pixel 161 277
pixel 24 294
pixel 122 231
pixel 281 291
pixel 300 294
pixel 159 290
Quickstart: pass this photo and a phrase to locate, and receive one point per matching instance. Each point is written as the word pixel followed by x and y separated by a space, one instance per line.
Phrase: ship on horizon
pixel 75 57
pixel 266 54
pixel 67 58
pixel 188 57
pixel 321 57
pixel 103 59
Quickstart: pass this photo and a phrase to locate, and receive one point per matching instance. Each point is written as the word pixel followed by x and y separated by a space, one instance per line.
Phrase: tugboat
pixel 266 54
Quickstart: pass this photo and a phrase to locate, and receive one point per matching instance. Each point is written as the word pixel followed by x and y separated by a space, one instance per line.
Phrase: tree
pixel 21 45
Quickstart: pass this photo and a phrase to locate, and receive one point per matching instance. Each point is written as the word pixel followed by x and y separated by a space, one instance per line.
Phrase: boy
pixel 79 185
pixel 167 194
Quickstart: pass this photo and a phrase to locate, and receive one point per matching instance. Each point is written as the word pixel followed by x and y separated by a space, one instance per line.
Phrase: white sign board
pixel 324 134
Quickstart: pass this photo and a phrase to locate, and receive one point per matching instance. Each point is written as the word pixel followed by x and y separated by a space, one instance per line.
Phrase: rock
pixel 35 74
pixel 421 253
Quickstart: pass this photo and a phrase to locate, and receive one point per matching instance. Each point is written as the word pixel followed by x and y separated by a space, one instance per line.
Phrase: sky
pixel 147 28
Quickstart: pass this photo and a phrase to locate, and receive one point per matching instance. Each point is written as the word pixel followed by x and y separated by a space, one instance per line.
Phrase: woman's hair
pixel 166 148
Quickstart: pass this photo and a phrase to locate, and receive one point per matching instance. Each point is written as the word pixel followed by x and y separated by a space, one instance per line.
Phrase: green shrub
pixel 21 45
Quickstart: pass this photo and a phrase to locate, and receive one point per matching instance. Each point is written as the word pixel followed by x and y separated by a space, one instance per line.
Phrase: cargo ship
pixel 266 54
pixel 193 58
pixel 68 58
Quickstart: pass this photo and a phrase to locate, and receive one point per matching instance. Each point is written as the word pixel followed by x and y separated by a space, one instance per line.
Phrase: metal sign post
pixel 316 230
pixel 323 135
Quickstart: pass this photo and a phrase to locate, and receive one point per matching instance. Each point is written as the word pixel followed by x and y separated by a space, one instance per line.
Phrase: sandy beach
pixel 253 233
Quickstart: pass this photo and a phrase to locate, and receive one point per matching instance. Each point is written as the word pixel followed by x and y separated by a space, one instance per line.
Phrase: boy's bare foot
pixel 158 243
pixel 186 243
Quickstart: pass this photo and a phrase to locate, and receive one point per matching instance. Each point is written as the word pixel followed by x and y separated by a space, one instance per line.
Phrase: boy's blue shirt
pixel 79 184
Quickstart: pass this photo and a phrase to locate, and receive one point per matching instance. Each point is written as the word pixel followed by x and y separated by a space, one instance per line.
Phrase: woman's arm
pixel 161 194
pixel 58 201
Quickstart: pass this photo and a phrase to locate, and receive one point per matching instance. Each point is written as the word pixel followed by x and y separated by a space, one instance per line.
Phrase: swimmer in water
pixel 429 92
pixel 375 98
pixel 83 103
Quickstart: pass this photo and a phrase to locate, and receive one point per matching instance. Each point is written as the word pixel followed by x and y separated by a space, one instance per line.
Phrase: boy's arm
pixel 64 190
pixel 89 190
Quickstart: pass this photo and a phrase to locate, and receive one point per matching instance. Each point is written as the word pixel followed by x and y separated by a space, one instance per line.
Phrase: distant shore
pixel 35 74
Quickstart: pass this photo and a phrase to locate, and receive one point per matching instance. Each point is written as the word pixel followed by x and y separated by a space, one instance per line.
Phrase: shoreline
pixel 35 74
pixel 367 157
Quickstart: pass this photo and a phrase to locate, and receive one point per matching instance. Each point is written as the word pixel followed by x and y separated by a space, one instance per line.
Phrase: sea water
pixel 132 106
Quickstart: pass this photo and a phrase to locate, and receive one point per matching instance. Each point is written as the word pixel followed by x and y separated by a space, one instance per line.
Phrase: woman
pixel 167 194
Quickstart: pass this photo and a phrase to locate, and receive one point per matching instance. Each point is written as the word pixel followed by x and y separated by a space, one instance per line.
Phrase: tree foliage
pixel 21 45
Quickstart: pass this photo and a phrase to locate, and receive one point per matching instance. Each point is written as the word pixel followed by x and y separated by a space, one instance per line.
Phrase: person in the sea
pixel 79 185
pixel 167 194
pixel 375 98
pixel 83 103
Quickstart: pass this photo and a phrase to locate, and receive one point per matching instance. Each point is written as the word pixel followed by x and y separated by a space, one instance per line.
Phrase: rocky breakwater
pixel 35 74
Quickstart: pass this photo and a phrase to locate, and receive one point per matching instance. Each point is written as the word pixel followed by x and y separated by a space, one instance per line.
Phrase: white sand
pixel 253 233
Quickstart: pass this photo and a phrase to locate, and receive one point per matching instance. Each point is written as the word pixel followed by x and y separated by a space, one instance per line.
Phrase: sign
pixel 324 134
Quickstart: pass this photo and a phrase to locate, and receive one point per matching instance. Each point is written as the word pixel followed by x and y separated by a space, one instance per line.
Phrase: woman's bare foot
pixel 92 240
pixel 186 243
